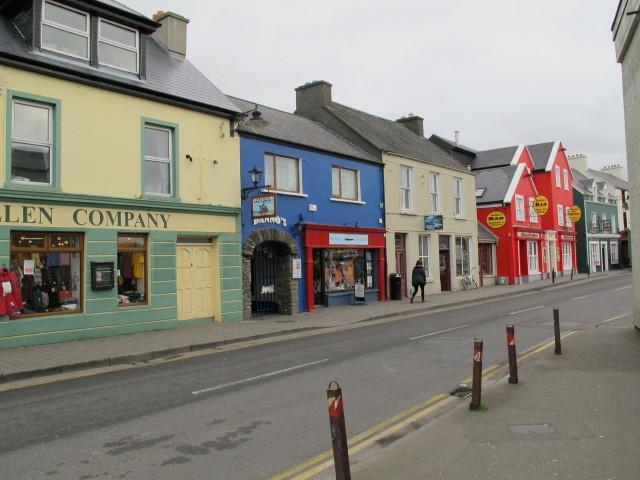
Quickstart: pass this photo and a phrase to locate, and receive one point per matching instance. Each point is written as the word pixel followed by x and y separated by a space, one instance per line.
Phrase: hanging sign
pixel 541 205
pixel 574 213
pixel 496 219
pixel 263 206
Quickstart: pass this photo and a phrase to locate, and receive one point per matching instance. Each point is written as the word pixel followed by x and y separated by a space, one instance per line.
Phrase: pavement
pixel 41 360
pixel 573 416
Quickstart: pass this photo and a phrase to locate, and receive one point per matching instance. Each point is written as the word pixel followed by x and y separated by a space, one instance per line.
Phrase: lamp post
pixel 255 174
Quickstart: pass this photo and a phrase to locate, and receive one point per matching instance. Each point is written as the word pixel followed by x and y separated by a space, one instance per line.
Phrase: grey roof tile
pixel 120 6
pixel 289 127
pixel 540 153
pixel 496 182
pixel 485 235
pixel 497 157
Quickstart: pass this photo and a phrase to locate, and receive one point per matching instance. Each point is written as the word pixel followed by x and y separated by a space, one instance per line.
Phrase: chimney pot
pixel 413 123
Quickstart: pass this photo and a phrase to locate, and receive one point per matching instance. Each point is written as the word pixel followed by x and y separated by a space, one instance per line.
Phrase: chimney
pixel 579 161
pixel 456 135
pixel 172 31
pixel 413 123
pixel 312 96
pixel 615 170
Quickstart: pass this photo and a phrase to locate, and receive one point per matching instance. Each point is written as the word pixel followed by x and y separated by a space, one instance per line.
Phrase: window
pixel 560 215
pixel 520 208
pixel 32 142
pixel 613 224
pixel 567 219
pixel 118 46
pixel 485 252
pixel 463 261
pixel 423 253
pixel 405 188
pixel 480 192
pixel 594 250
pixel 65 30
pixel 343 268
pixel 532 249
pixel 282 173
pixel 345 183
pixel 48 267
pixel 458 197
pixel 434 183
pixel 558 184
pixel 132 269
pixel 613 248
pixel 565 178
pixel 567 263
pixel 533 215
pixel 594 221
pixel 158 160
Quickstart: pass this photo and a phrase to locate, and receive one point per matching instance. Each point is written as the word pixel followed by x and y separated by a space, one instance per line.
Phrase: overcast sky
pixel 502 72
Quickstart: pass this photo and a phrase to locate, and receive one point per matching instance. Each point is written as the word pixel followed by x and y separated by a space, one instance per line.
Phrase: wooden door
pixel 401 260
pixel 194 272
pixel 445 271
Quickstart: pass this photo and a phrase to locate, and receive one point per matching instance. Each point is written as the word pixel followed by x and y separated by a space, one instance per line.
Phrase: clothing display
pixel 131 279
pixel 11 298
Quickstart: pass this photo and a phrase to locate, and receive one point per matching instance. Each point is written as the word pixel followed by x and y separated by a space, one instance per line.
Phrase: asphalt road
pixel 251 413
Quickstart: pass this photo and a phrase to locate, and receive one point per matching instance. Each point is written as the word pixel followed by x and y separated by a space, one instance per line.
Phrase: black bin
pixel 395 287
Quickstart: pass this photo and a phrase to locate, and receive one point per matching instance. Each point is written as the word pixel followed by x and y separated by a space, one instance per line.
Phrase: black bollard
pixel 511 348
pixel 476 386
pixel 556 330
pixel 338 432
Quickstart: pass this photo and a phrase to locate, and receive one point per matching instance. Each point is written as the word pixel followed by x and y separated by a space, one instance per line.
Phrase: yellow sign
pixel 541 205
pixel 496 219
pixel 574 213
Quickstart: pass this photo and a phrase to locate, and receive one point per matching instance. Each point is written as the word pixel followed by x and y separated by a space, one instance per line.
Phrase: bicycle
pixel 468 281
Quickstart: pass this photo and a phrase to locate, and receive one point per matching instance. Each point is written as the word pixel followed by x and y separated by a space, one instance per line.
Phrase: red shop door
pixel 401 260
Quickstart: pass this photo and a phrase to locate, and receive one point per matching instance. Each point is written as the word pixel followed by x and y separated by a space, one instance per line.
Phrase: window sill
pixel 33 187
pixel 407 212
pixel 160 198
pixel 344 200
pixel 282 192
pixel 460 217
pixel 132 305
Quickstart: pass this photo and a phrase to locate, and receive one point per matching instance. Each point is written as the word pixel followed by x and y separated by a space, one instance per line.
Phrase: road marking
pixel 526 310
pixel 439 331
pixel 259 377
pixel 623 288
pixel 583 296
pixel 618 317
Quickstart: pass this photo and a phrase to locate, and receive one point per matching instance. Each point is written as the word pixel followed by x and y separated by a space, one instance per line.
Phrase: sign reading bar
pixel 433 222
pixel 496 219
pixel 575 213
pixel 348 239
pixel 541 205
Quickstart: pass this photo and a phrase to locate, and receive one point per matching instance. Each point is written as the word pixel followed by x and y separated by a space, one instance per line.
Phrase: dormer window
pixel 65 30
pixel 118 46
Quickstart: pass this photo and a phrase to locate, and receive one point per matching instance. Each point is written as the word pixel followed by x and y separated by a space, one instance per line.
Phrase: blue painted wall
pixel 316 185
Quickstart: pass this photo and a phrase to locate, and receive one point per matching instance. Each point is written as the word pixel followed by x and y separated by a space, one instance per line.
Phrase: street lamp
pixel 255 175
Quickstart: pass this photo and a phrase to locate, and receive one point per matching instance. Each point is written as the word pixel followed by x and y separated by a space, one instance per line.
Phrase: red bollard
pixel 511 348
pixel 556 330
pixel 338 432
pixel 476 386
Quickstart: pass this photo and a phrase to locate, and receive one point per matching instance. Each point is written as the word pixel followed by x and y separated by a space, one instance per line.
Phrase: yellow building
pixel 120 192
pixel 430 209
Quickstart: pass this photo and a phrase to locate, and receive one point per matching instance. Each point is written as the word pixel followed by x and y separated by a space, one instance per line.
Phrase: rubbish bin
pixel 395 289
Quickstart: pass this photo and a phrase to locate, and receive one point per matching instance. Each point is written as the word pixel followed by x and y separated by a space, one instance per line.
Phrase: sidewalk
pixel 573 416
pixel 39 360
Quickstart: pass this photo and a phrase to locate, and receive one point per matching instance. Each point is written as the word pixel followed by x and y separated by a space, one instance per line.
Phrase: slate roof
pixel 392 137
pixel 498 157
pixel 496 181
pixel 166 75
pixel 120 6
pixel 581 179
pixel 485 235
pixel 612 179
pixel 292 128
pixel 540 153
pixel 453 144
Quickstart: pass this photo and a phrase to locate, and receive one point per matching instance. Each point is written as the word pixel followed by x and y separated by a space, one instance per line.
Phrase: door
pixel 194 282
pixel 604 256
pixel 318 277
pixel 264 279
pixel 595 256
pixel 445 271
pixel 401 260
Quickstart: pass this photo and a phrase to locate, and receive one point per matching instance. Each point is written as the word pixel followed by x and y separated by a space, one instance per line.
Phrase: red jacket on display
pixel 11 298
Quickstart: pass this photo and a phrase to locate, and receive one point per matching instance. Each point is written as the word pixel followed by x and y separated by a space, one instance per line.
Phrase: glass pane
pixel 27 240
pixel 131 278
pixel 65 42
pixel 349 188
pixel 268 170
pixel 157 177
pixel 287 174
pixel 339 269
pixel 66 17
pixel 59 240
pixel 130 241
pixel 30 163
pixel 118 34
pixel 31 122
pixel 156 142
pixel 335 182
pixel 118 57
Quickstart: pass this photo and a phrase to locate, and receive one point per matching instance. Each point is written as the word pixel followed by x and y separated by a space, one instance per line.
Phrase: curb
pixel 167 352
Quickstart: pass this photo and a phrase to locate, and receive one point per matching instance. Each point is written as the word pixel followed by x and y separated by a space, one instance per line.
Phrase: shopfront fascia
pixel 88 269
pixel 336 258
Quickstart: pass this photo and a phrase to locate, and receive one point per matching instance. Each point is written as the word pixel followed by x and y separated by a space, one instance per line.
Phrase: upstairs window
pixel 118 46
pixel 520 208
pixel 560 215
pixel 565 178
pixel 434 181
pixel 158 160
pixel 533 215
pixel 344 183
pixel 31 142
pixel 405 188
pixel 65 30
pixel 282 173
pixel 458 197
pixel 558 179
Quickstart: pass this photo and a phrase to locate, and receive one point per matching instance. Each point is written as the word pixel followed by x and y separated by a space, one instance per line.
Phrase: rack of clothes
pixel 131 282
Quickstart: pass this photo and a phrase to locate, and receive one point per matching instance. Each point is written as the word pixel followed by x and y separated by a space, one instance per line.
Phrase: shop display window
pixel 344 267
pixel 132 269
pixel 48 269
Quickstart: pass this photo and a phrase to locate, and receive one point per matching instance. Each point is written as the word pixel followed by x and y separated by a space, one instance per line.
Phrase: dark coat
pixel 418 275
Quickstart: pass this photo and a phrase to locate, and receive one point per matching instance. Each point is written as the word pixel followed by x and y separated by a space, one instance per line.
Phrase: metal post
pixel 556 330
pixel 338 432
pixel 476 386
pixel 553 275
pixel 511 348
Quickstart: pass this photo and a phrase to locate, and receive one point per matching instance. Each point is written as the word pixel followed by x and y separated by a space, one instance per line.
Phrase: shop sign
pixel 263 206
pixel 541 205
pixel 274 220
pixel 531 235
pixel 575 213
pixel 296 268
pixel 348 239
pixel 433 222
pixel 359 292
pixel 102 275
pixel 496 219
pixel 567 237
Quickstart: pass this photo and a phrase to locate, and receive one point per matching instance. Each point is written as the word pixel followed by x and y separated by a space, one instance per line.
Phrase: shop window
pixel 282 173
pixel 345 184
pixel 48 267
pixel 532 250
pixel 434 183
pixel 520 208
pixel 613 248
pixel 423 253
pixel 463 260
pixel 533 215
pixel 118 46
pixel 343 268
pixel 458 197
pixel 566 256
pixel 65 30
pixel 158 160
pixel 406 181
pixel 132 269
pixel 485 251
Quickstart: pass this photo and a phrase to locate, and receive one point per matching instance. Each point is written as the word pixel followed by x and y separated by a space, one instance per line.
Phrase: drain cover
pixel 537 429
pixel 463 391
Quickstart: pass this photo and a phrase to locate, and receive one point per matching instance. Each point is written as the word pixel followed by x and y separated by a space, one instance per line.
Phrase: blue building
pixel 312 215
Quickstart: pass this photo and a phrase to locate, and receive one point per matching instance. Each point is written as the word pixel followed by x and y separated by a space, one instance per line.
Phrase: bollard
pixel 556 330
pixel 511 348
pixel 476 386
pixel 338 432
pixel 553 276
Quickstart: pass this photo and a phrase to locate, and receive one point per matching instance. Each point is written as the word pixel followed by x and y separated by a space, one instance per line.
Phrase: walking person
pixel 418 279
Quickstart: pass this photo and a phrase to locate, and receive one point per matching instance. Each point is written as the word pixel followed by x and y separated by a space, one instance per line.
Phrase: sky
pixel 502 72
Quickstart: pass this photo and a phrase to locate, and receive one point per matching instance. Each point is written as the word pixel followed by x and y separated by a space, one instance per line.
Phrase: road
pixel 251 413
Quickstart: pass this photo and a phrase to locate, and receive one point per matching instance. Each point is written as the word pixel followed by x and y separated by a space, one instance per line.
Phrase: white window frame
pixel 533 215
pixel 65 28
pixel 594 256
pixel 594 220
pixel 567 258
pixel 118 45
pixel 425 256
pixel 403 188
pixel 560 215
pixel 274 188
pixel 533 260
pixel 558 179
pixel 434 192
pixel 27 141
pixel 458 197
pixel 567 219
pixel 614 253
pixel 170 161
pixel 519 208
pixel 565 178
pixel 613 224
pixel 340 198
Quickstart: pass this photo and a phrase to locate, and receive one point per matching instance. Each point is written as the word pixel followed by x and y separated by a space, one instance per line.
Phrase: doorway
pixel 194 275
pixel 444 262
pixel 401 260
pixel 264 278
pixel 604 255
